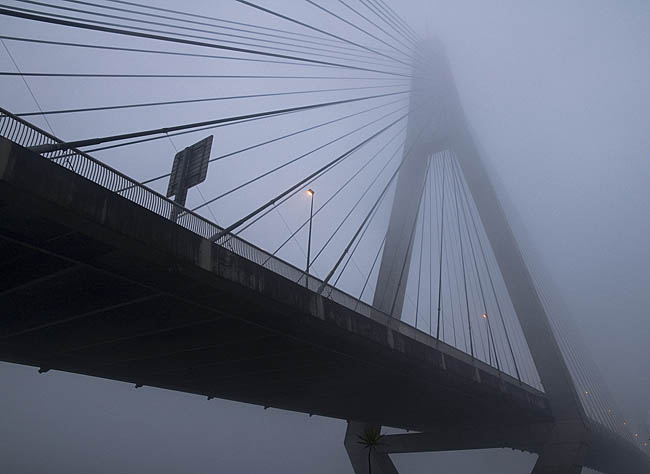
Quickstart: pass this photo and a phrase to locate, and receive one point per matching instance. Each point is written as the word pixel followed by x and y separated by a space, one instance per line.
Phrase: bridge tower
pixel 437 123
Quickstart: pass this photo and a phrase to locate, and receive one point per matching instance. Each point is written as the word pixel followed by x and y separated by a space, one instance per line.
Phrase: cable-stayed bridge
pixel 414 309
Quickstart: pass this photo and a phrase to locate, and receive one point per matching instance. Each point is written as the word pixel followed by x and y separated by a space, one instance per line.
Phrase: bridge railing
pixel 27 135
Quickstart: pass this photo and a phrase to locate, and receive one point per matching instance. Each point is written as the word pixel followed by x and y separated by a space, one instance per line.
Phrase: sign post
pixel 189 169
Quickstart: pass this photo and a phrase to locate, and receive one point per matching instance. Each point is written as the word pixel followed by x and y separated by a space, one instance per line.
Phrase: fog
pixel 558 97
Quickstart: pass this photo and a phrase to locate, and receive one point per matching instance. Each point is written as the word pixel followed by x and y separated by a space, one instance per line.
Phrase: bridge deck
pixel 92 283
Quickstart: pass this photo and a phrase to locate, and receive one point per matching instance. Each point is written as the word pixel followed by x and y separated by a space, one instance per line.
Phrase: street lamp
pixel 311 215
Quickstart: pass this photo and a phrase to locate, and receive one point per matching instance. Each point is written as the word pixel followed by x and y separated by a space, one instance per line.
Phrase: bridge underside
pixel 94 284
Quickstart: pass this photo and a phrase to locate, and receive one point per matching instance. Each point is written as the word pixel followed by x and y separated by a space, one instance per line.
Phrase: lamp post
pixel 311 215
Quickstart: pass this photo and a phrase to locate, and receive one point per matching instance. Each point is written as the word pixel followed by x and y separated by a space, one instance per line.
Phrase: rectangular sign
pixel 190 167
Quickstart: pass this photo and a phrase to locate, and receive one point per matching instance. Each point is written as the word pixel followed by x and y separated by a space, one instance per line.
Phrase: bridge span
pixel 95 283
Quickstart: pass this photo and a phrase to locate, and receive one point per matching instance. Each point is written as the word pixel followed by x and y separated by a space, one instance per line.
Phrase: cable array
pixel 345 136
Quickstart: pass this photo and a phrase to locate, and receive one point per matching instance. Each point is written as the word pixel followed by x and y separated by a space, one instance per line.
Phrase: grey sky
pixel 558 95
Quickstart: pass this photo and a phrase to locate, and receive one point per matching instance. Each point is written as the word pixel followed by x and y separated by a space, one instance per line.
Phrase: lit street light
pixel 311 215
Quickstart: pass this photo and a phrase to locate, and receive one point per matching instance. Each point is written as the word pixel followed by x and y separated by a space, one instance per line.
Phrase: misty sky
pixel 558 97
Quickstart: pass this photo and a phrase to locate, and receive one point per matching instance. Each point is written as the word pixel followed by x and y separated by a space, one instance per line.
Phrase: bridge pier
pixel 565 452
pixel 560 462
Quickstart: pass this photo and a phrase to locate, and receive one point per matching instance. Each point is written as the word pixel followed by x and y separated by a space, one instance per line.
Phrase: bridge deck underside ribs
pixel 81 297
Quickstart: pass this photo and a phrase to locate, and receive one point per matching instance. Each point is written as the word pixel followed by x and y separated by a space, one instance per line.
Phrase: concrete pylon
pixel 358 454
pixel 437 123
pixel 426 134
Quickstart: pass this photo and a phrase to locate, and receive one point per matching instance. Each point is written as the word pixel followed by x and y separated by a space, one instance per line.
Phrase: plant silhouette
pixel 370 439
